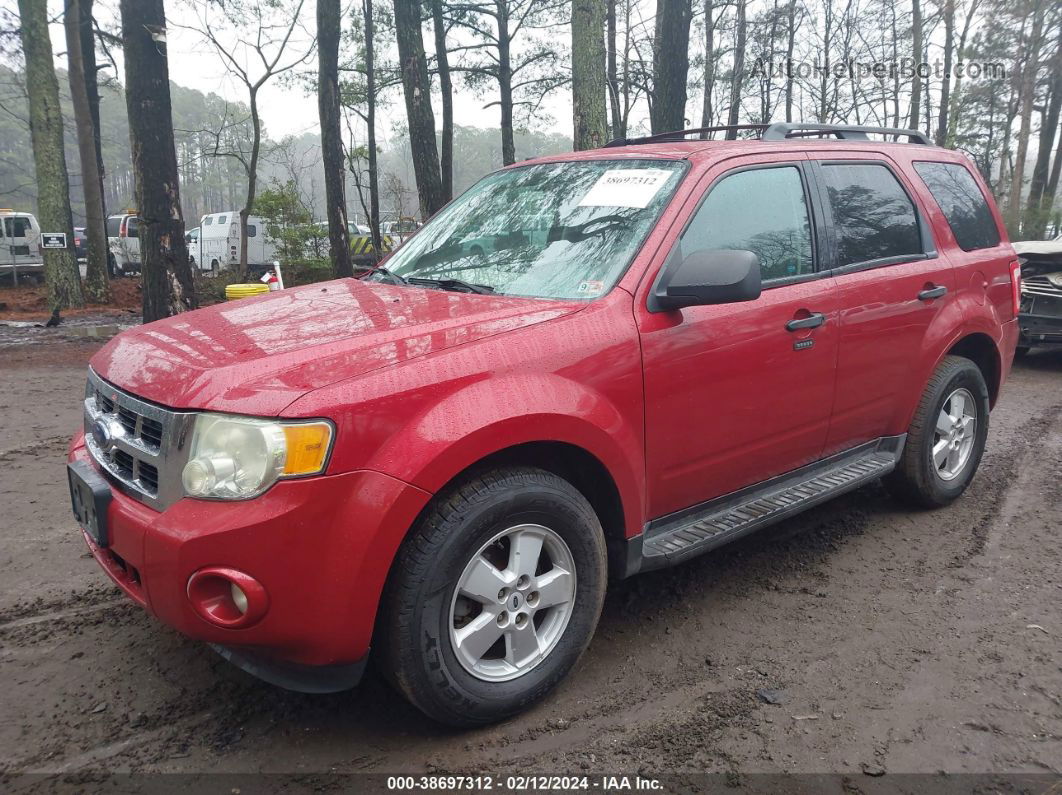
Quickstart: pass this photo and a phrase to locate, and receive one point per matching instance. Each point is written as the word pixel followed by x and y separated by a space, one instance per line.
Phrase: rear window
pixel 252 230
pixel 114 223
pixel 222 219
pixel 132 227
pixel 962 202
pixel 873 216
pixel 17 227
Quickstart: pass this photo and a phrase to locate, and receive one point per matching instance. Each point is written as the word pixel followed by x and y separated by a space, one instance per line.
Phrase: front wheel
pixel 947 436
pixel 493 597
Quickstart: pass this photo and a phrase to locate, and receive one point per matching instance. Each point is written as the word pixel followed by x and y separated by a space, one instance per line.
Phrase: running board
pixel 695 530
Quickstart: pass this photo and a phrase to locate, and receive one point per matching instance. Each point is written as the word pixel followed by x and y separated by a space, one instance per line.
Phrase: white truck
pixel 218 246
pixel 123 243
pixel 20 254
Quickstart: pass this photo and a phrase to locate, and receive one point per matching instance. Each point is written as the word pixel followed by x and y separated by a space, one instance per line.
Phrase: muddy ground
pixel 899 641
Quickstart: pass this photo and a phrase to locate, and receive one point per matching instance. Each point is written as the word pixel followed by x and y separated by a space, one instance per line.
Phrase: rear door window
pixel 132 227
pixel 17 227
pixel 873 217
pixel 114 224
pixel 252 230
pixel 962 202
pixel 763 210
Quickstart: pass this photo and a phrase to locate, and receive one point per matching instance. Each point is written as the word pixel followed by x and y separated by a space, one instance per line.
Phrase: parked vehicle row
pixel 587 366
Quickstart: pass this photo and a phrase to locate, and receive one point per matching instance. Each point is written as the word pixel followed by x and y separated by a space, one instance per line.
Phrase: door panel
pixel 733 397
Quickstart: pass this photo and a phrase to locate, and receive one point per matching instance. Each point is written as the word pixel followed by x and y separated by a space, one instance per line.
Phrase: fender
pixel 962 318
pixel 510 409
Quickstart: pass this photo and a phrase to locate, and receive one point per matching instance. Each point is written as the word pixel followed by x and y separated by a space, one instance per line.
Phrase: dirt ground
pixel 900 641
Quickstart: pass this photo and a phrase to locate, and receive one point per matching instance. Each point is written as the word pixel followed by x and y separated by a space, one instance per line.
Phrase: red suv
pixel 587 366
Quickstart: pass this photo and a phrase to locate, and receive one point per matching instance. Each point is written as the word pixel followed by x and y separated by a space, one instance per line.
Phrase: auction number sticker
pixel 626 187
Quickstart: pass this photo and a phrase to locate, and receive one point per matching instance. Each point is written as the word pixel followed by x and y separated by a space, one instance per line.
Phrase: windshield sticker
pixel 591 288
pixel 626 187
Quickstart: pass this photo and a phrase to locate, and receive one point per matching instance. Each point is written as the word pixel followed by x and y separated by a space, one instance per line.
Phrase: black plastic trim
pixel 293 676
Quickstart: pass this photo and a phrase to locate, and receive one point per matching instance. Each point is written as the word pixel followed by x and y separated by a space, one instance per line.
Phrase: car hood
pixel 257 355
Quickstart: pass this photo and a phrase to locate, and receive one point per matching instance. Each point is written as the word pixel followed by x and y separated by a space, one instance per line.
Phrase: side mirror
pixel 708 276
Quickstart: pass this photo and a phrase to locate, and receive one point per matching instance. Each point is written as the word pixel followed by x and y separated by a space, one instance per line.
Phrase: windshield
pixel 555 230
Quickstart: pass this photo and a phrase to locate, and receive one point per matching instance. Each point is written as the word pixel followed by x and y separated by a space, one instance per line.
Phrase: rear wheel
pixel 493 597
pixel 947 436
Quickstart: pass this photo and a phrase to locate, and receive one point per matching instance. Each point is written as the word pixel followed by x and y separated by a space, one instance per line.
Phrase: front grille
pixel 140 445
pixel 1039 285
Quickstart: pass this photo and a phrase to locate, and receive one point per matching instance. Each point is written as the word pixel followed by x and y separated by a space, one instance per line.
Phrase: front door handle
pixel 814 320
pixel 932 292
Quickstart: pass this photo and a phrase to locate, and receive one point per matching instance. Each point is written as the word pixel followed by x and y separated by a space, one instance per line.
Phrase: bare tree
pixel 254 40
pixel 1026 98
pixel 168 285
pixel 46 129
pixel 504 55
pixel 917 49
pixel 96 285
pixel 329 29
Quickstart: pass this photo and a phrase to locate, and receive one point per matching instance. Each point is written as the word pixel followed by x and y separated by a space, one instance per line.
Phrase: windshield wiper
pixel 455 285
pixel 390 275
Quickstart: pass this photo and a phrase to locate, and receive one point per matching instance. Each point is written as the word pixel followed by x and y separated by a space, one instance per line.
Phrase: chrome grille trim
pixel 148 444
pixel 1039 285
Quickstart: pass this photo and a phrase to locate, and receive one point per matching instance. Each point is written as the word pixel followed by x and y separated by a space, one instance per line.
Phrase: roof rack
pixel 678 135
pixel 782 131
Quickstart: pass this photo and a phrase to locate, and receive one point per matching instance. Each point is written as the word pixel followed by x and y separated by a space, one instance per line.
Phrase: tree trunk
pixel 1036 210
pixel 945 88
pixel 1052 182
pixel 588 74
pixel 252 177
pixel 168 287
pixel 505 83
pixel 739 69
pixel 707 111
pixel 96 286
pixel 46 132
pixel 956 94
pixel 916 48
pixel 92 88
pixel 370 125
pixel 329 30
pixel 446 90
pixel 421 117
pixel 612 70
pixel 789 47
pixel 671 64
pixel 1026 98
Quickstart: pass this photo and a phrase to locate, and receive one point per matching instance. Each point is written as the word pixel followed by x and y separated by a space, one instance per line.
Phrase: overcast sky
pixel 287 110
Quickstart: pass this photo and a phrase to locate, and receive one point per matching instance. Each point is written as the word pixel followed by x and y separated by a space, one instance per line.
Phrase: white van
pixel 19 251
pixel 123 241
pixel 219 243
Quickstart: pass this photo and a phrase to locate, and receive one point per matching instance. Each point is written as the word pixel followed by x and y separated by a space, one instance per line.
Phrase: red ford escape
pixel 587 366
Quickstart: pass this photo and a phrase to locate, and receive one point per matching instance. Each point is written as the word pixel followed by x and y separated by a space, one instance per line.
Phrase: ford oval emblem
pixel 101 433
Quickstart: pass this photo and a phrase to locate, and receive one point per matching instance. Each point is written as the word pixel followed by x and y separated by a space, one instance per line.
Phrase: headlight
pixel 1055 279
pixel 239 457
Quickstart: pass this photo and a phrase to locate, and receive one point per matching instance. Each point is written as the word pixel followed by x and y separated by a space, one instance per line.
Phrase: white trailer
pixel 218 246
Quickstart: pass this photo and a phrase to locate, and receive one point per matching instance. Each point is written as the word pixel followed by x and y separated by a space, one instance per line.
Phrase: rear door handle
pixel 814 320
pixel 932 292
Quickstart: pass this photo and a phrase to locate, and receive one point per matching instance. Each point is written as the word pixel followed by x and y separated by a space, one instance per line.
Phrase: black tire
pixel 916 480
pixel 413 626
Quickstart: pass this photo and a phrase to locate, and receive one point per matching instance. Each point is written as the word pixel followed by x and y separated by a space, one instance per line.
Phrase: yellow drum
pixel 234 292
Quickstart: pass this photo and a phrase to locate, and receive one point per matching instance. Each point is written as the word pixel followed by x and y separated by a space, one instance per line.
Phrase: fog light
pixel 227 597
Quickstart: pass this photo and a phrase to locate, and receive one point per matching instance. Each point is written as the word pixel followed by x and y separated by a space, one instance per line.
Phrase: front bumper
pixel 321 547
pixel 1040 329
